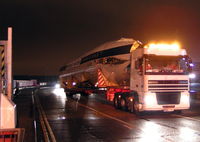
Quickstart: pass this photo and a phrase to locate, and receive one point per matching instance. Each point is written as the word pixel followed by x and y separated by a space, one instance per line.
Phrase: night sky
pixel 49 33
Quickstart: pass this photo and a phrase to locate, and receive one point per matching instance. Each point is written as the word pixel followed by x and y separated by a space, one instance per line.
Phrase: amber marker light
pixel 162 48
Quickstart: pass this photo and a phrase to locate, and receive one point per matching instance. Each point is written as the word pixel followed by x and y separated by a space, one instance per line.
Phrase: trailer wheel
pixel 116 103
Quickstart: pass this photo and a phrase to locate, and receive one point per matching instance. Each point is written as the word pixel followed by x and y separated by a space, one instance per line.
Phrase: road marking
pixel 45 121
pixel 190 118
pixel 125 124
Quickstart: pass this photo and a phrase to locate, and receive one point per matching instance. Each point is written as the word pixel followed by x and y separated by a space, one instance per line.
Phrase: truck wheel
pixel 123 104
pixel 131 107
pixel 116 104
pixel 136 108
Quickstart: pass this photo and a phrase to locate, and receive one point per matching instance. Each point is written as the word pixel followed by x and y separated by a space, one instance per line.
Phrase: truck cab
pixel 159 77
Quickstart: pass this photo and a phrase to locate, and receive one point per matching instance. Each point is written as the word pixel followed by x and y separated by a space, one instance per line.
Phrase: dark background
pixel 49 33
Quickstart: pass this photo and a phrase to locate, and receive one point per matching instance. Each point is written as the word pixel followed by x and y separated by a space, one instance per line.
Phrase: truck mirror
pixel 140 70
pixel 136 64
pixel 190 67
pixel 189 64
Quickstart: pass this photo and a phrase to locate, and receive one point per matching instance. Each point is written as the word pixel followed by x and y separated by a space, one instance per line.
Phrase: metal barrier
pixel 12 135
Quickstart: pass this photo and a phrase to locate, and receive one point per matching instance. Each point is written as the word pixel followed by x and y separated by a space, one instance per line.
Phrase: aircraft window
pixel 111 60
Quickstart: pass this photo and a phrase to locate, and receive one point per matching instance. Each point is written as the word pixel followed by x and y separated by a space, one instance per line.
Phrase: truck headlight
pixel 192 76
pixel 184 98
pixel 57 85
pixel 150 99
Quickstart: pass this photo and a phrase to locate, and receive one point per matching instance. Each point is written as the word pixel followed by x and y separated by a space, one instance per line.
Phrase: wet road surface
pixel 91 118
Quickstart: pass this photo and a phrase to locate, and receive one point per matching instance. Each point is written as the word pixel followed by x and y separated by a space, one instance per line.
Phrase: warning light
pixel 165 49
pixel 163 46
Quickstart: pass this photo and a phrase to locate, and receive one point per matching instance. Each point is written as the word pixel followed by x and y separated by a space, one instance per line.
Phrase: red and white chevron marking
pixel 101 81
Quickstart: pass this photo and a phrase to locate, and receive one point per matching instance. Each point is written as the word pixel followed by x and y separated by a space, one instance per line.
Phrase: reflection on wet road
pixel 91 118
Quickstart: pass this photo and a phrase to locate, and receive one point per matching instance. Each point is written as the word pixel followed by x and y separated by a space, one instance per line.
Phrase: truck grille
pixel 168 85
pixel 168 97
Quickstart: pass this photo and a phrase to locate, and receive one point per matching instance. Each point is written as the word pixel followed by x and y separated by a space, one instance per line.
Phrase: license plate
pixel 168 109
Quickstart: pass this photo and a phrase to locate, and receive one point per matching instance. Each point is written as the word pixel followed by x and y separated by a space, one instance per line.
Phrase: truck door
pixel 136 76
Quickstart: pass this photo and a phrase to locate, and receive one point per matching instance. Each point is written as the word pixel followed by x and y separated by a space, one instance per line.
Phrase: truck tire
pixel 116 103
pixel 136 109
pixel 123 104
pixel 131 107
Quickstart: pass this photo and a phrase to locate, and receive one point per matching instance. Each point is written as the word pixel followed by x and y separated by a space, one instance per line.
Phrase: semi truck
pixel 134 76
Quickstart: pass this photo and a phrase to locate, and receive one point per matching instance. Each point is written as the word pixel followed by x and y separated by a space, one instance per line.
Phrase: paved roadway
pixel 91 119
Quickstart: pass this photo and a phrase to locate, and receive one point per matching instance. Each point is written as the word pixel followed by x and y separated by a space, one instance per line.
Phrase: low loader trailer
pixel 134 76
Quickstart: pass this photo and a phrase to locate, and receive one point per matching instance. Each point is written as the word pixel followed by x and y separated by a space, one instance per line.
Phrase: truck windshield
pixel 166 65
